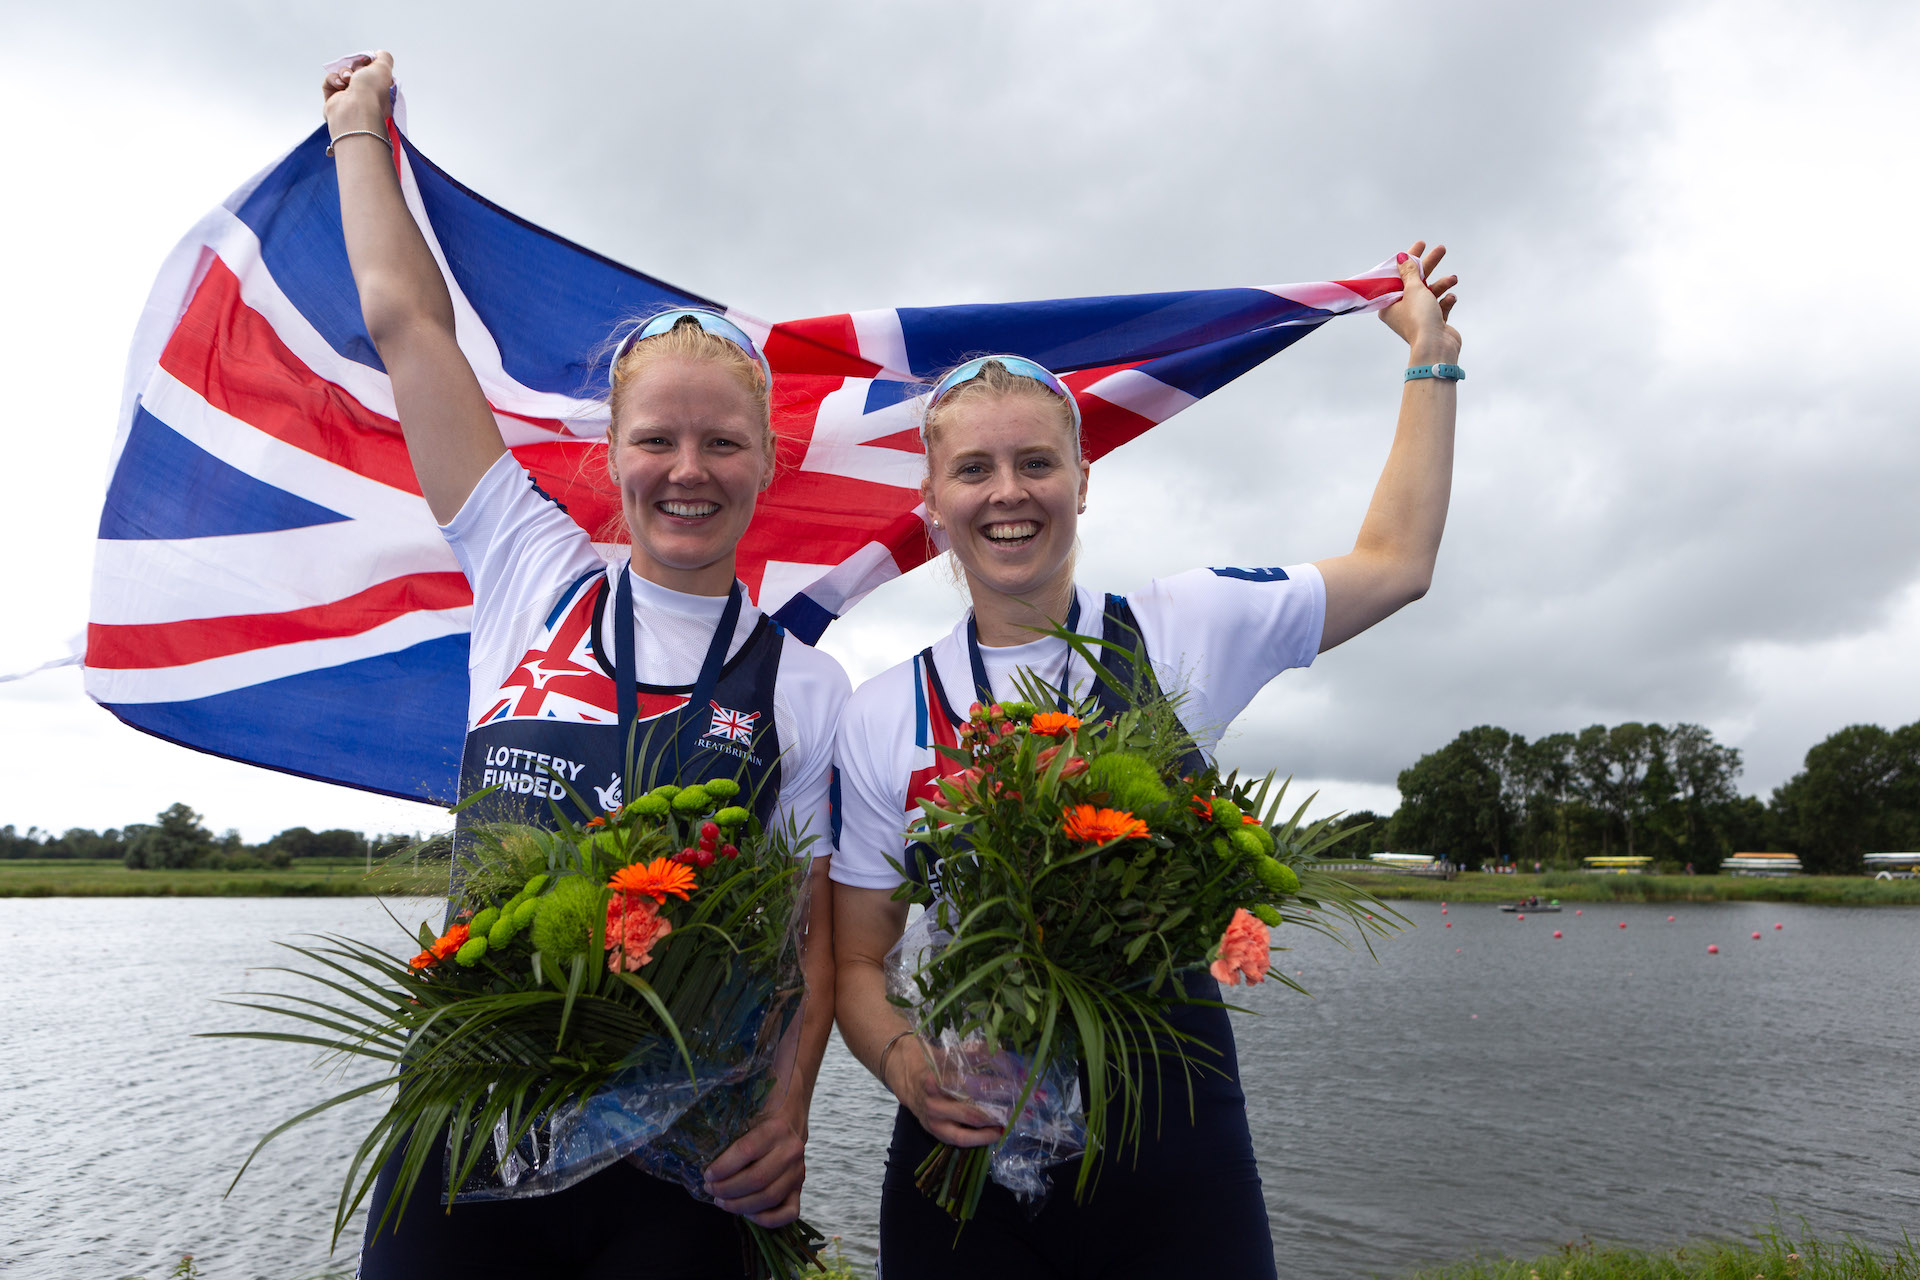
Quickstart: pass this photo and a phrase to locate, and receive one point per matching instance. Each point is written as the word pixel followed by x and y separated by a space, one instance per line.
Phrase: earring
pixel 936 522
pixel 1083 509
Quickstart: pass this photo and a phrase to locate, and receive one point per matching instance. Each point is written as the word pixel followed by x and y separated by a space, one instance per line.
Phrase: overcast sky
pixel 1687 451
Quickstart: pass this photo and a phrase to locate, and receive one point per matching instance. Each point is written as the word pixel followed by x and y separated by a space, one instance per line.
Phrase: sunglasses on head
pixel 1019 367
pixel 712 321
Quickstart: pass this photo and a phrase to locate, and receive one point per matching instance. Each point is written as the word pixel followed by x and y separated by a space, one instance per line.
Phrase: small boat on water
pixel 1542 907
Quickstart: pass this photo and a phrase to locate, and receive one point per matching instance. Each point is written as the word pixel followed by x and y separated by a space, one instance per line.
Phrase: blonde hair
pixel 994 379
pixel 688 341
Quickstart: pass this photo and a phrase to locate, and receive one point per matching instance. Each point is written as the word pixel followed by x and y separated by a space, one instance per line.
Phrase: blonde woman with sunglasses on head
pixel 1005 484
pixel 660 639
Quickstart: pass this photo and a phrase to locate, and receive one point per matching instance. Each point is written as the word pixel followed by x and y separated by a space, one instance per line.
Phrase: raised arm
pixel 1392 560
pixel 450 432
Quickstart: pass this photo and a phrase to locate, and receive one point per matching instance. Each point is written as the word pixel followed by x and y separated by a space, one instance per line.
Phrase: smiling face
pixel 689 451
pixel 1005 480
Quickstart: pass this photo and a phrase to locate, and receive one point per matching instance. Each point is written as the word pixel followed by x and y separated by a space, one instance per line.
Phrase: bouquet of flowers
pixel 1070 877
pixel 610 991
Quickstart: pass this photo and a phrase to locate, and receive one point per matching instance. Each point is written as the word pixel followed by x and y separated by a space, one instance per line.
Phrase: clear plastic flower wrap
pixel 1051 1128
pixel 653 1115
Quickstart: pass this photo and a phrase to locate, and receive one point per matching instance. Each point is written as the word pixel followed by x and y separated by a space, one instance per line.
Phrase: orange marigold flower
pixel 449 942
pixel 1248 820
pixel 657 879
pixel 1203 808
pixel 1054 723
pixel 1245 950
pixel 1085 823
pixel 596 822
pixel 422 960
pixel 634 925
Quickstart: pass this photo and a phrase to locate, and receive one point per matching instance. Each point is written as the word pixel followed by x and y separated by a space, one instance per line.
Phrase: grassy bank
pixel 307 878
pixel 1574 886
pixel 1772 1255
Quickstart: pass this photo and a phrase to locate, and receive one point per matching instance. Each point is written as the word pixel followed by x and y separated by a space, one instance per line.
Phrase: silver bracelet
pixel 897 1038
pixel 334 141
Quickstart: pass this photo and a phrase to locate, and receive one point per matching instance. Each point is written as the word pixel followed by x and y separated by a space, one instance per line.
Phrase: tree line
pixel 1665 792
pixel 177 838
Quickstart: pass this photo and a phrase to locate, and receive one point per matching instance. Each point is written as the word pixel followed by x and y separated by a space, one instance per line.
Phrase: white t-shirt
pixel 525 557
pixel 1215 637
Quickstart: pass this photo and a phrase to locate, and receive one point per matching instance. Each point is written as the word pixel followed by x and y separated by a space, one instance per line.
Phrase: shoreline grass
pixel 1574 886
pixel 327 878
pixel 308 878
pixel 1772 1254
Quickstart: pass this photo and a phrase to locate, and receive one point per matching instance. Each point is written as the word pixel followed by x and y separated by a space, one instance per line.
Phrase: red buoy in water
pixel 1556 933
pixel 1712 950
pixel 1623 924
pixel 1519 915
pixel 1669 919
pixel 1756 935
pixel 1577 911
pixel 1443 911
pixel 1779 926
pixel 1449 924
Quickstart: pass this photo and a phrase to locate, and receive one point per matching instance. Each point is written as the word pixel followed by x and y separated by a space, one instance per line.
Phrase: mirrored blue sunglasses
pixel 712 321
pixel 1019 367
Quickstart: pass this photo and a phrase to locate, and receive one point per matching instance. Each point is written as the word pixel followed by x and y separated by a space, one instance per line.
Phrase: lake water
pixel 1484 1087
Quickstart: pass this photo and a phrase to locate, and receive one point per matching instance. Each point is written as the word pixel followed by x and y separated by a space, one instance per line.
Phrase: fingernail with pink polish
pixel 1399 257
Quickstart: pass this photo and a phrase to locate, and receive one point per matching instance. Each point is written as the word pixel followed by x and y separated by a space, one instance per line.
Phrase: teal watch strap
pixel 1446 372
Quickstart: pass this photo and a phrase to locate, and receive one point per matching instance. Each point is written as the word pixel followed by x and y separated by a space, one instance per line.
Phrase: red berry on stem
pixel 728 851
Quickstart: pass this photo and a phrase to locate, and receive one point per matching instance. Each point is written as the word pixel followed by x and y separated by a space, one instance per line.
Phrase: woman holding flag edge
pixel 1005 484
pixel 573 659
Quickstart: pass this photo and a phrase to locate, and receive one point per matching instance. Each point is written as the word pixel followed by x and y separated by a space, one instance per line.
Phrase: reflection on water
pixel 1481 1087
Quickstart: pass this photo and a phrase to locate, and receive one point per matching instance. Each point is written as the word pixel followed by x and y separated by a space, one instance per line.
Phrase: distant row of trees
pixel 1667 792
pixel 176 838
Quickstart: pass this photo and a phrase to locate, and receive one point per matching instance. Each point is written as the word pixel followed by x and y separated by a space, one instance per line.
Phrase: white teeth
pixel 1011 532
pixel 690 510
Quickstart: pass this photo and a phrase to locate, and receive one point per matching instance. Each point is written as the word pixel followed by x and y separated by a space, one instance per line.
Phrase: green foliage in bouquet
pixel 1076 876
pixel 648 943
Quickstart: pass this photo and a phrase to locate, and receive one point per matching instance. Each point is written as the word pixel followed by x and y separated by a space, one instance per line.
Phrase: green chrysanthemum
pixel 1264 836
pixel 1225 850
pixel 732 816
pixel 666 791
pixel 1277 876
pixel 524 913
pixel 1247 844
pixel 535 886
pixel 722 788
pixel 692 800
pixel 483 922
pixel 1018 711
pixel 471 952
pixel 1131 782
pixel 650 806
pixel 1226 814
pixel 1266 915
pixel 504 931
pixel 563 925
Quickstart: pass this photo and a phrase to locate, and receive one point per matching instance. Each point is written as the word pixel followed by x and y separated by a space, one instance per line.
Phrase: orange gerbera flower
pixel 1085 823
pixel 596 822
pixel 1202 808
pixel 421 961
pixel 1052 724
pixel 1245 950
pixel 449 942
pixel 657 879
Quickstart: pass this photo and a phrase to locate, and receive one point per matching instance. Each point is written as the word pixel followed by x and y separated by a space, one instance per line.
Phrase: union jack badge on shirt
pixel 734 726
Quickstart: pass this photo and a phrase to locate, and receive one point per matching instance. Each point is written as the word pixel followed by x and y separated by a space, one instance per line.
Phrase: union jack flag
pixel 268 584
pixel 734 726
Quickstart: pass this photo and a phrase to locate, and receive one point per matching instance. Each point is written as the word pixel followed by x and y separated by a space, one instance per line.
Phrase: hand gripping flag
pixel 268 584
